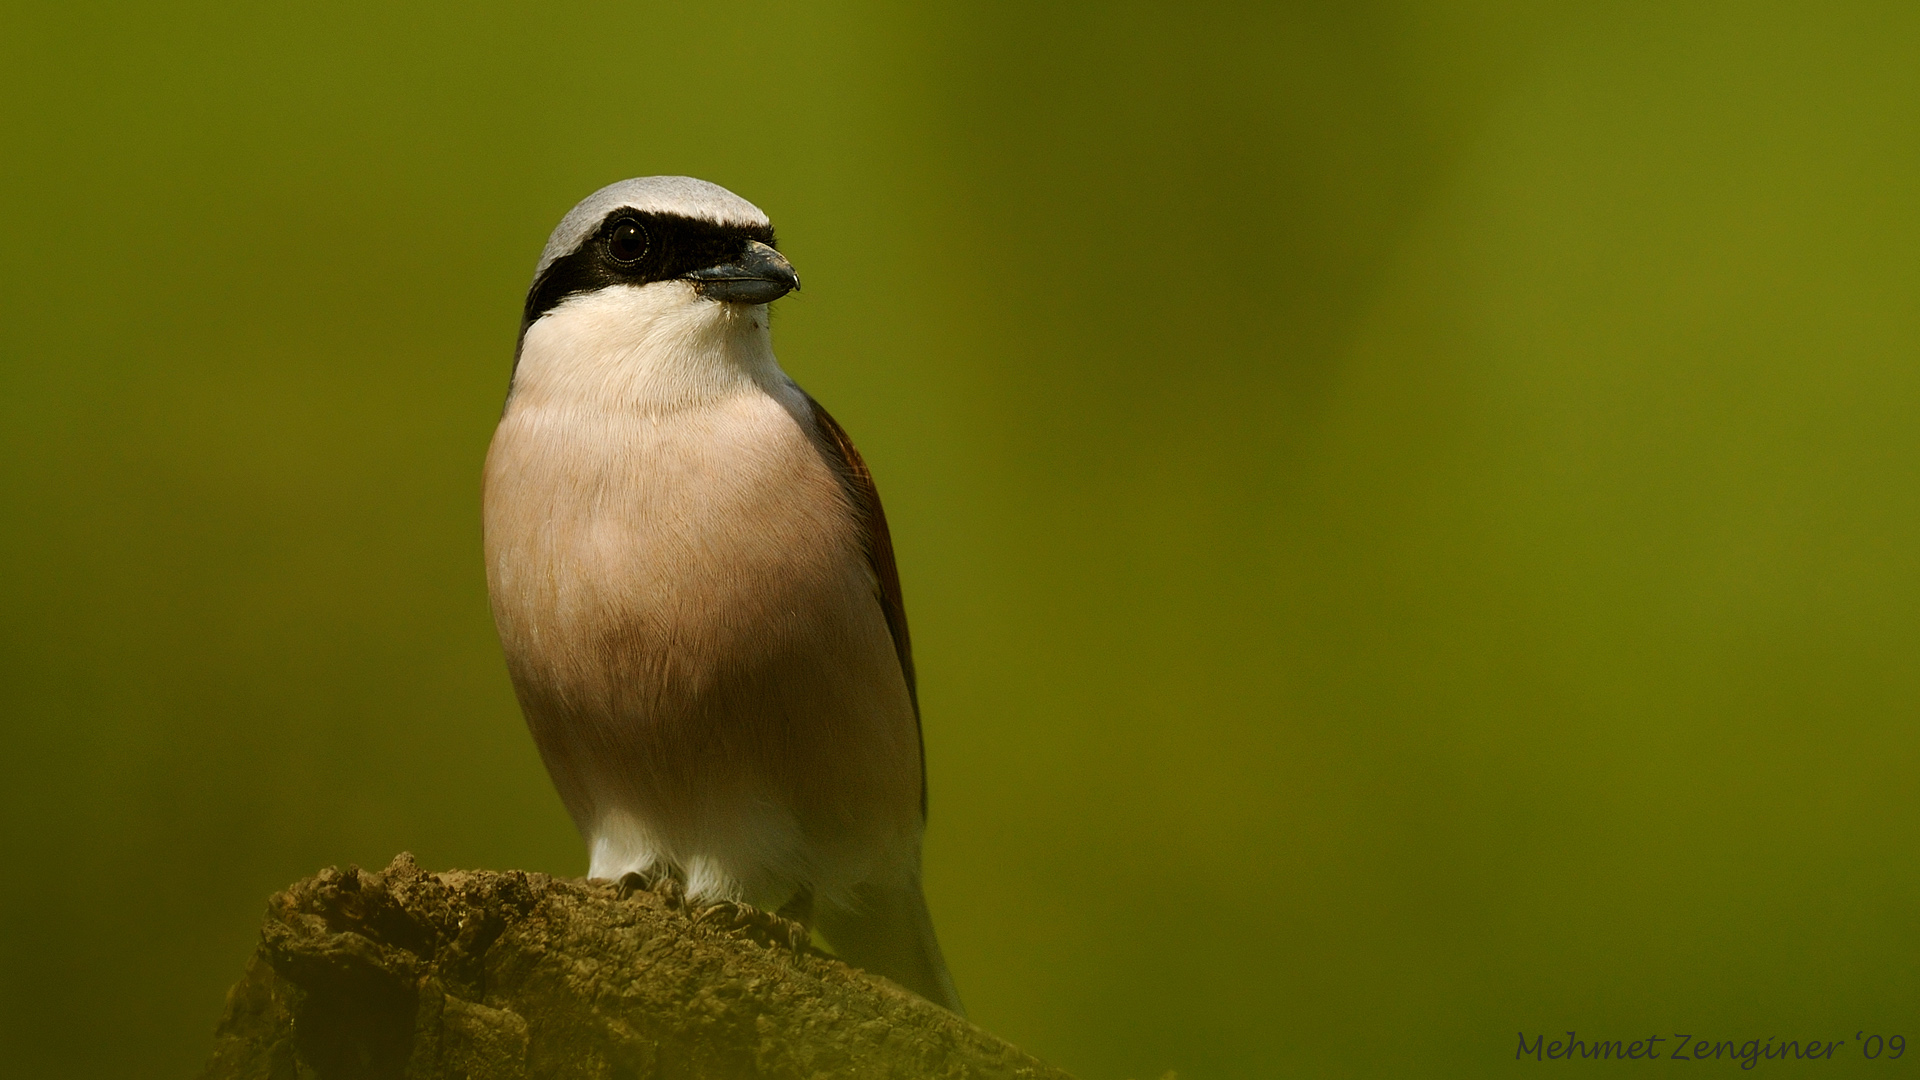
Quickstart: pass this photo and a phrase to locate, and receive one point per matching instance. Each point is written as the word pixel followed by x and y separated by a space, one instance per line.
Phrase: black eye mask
pixel 635 247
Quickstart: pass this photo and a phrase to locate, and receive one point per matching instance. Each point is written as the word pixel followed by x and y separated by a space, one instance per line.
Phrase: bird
pixel 695 587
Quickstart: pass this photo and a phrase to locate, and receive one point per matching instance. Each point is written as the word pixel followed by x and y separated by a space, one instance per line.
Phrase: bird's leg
pixel 800 908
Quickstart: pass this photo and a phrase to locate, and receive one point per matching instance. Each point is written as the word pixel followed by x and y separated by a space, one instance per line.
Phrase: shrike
pixel 693 581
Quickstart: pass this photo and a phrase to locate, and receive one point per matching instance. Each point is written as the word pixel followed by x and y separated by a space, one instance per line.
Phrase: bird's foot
pixel 765 927
pixel 662 883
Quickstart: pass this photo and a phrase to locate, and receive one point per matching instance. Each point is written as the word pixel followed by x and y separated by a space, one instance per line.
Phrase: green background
pixel 1410 513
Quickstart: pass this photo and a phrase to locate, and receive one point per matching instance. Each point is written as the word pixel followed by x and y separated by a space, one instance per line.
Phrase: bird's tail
pixel 889 932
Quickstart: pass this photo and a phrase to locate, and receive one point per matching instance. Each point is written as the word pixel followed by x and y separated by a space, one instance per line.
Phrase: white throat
pixel 645 349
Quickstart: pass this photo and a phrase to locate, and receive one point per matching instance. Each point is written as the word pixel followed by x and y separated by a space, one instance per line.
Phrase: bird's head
pixel 661 242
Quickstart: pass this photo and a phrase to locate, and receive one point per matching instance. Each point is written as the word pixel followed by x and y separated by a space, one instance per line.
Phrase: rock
pixel 510 976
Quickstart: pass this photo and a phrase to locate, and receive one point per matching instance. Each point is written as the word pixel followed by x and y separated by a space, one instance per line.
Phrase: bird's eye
pixel 627 242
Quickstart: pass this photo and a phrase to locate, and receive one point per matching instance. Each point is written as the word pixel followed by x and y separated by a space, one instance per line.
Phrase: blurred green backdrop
pixel 1410 512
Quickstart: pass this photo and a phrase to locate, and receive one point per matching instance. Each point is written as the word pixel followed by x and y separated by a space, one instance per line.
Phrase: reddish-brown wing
pixel 858 480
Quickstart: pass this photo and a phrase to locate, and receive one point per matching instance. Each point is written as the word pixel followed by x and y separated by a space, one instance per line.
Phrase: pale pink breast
pixel 693 630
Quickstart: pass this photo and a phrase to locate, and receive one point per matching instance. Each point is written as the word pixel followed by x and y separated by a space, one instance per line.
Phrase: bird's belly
pixel 693 632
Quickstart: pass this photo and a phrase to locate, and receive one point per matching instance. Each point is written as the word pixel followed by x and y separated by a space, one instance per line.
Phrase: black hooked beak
pixel 760 275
